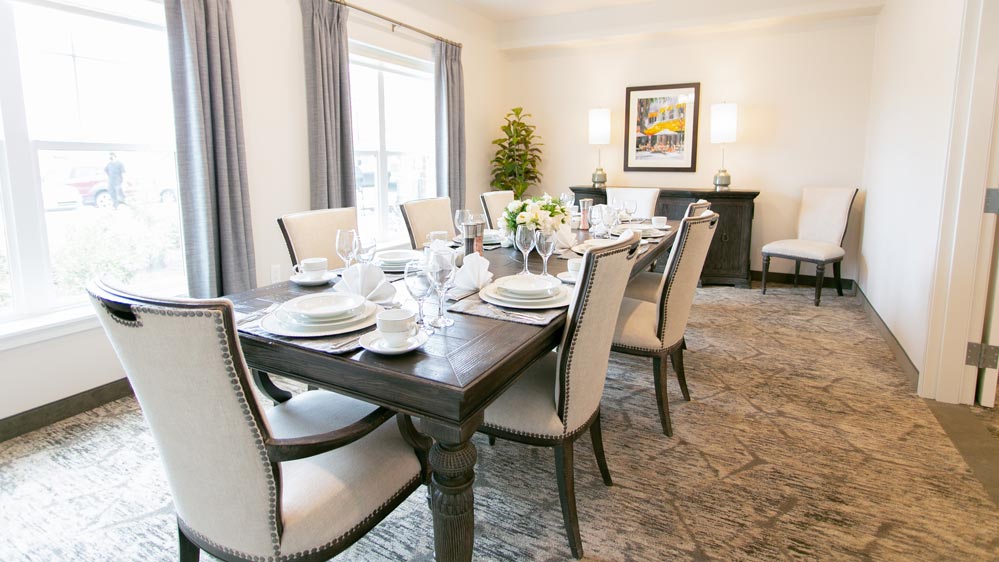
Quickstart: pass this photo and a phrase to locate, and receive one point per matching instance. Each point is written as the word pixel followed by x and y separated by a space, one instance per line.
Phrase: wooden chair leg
pixel 264 383
pixel 797 269
pixel 659 376
pixel 766 268
pixel 567 495
pixel 839 281
pixel 492 440
pixel 677 359
pixel 189 552
pixel 598 449
pixel 820 274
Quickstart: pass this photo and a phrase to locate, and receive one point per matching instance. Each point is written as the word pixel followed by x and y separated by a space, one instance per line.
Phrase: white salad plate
pixel 300 279
pixel 397 256
pixel 490 295
pixel 279 323
pixel 324 307
pixel 527 286
pixel 373 342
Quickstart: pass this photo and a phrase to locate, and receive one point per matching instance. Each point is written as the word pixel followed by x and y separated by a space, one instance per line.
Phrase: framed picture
pixel 661 134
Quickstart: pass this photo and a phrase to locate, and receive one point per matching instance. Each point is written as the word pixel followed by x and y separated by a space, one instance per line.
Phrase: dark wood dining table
pixel 447 383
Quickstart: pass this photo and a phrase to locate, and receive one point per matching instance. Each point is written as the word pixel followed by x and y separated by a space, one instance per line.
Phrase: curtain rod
pixel 396 22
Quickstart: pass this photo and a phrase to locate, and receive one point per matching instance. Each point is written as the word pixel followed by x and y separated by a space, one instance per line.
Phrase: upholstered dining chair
pixel 424 216
pixel 493 205
pixel 656 329
pixel 646 285
pixel 644 197
pixel 301 481
pixel 822 222
pixel 558 397
pixel 312 234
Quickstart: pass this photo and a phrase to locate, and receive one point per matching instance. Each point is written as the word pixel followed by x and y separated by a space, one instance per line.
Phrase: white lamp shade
pixel 723 122
pixel 600 126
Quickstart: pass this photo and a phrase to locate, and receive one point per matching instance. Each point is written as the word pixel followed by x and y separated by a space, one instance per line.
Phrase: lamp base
pixel 599 178
pixel 722 180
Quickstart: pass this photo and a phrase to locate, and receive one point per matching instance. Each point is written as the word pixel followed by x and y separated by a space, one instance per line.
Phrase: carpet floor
pixel 802 442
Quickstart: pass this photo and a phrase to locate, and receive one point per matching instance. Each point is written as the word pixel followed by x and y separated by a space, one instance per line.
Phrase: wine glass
pixel 440 272
pixel 596 219
pixel 544 241
pixel 419 287
pixel 366 246
pixel 462 216
pixel 346 245
pixel 567 199
pixel 630 206
pixel 525 243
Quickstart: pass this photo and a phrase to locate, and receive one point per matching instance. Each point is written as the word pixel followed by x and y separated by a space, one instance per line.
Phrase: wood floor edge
pixel 908 367
pixel 47 414
pixel 972 439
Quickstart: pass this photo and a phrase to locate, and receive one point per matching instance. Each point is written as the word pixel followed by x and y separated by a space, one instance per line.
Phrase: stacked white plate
pixel 646 230
pixel 490 237
pixel 321 314
pixel 394 261
pixel 527 292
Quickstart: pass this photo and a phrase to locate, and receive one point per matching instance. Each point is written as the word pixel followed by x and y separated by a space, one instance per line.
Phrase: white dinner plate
pixel 488 294
pixel 322 325
pixel 530 286
pixel 300 279
pixel 373 342
pixel 397 256
pixel 324 306
pixel 272 323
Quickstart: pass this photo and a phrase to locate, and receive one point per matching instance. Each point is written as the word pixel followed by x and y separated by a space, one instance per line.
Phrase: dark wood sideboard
pixel 727 262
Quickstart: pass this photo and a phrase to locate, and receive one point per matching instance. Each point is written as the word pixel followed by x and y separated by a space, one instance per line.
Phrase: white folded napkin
pixel 474 274
pixel 564 238
pixel 367 280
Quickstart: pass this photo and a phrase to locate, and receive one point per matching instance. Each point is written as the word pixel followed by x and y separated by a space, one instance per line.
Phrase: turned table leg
pixel 452 460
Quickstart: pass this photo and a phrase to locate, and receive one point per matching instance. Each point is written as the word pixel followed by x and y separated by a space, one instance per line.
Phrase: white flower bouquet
pixel 542 213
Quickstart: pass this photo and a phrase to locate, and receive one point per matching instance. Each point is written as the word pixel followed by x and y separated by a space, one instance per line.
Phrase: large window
pixel 392 98
pixel 89 166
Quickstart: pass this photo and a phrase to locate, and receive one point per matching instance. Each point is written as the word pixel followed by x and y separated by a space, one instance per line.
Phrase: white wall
pixel 912 99
pixel 802 92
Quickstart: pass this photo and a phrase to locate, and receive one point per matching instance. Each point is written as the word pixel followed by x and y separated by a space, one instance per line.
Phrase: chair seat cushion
pixel 636 325
pixel 644 286
pixel 528 407
pixel 324 496
pixel 805 249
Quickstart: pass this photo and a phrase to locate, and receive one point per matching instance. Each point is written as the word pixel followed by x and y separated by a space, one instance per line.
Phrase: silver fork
pixel 521 315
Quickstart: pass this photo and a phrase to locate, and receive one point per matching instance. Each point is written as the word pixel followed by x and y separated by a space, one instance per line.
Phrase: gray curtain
pixel 327 88
pixel 211 164
pixel 449 100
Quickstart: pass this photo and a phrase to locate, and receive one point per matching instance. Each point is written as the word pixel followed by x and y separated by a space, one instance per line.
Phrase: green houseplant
pixel 515 166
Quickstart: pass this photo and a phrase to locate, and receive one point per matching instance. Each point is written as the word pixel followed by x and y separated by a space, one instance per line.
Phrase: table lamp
pixel 723 121
pixel 599 135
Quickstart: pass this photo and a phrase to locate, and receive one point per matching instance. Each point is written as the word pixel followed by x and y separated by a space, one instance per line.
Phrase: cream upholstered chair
pixel 646 285
pixel 822 222
pixel 493 205
pixel 312 234
pixel 655 329
pixel 644 197
pixel 424 216
pixel 558 397
pixel 302 481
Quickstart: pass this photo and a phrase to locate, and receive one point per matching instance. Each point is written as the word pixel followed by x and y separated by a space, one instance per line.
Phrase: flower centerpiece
pixel 536 213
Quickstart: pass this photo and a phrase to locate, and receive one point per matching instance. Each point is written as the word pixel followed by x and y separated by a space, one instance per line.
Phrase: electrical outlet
pixel 275 273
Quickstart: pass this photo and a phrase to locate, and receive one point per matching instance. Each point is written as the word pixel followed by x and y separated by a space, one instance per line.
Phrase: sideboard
pixel 727 262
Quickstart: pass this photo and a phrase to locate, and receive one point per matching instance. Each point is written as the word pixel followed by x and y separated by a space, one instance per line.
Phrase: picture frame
pixel 661 127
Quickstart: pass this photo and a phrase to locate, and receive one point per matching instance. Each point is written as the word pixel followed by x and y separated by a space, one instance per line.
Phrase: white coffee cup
pixel 659 222
pixel 396 326
pixel 311 268
pixel 575 265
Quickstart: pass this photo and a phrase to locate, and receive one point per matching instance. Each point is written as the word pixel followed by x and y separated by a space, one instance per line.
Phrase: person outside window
pixel 115 171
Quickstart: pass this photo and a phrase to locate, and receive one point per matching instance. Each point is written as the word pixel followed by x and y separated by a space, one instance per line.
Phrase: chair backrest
pixel 586 341
pixel 312 234
pixel 186 367
pixel 493 205
pixel 825 213
pixel 697 207
pixel 683 270
pixel 424 216
pixel 645 197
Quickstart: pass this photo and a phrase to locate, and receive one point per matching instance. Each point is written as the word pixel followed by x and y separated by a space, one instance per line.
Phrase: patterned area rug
pixel 801 442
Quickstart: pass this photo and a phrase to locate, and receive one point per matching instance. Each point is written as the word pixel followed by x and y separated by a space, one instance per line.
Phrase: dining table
pixel 447 383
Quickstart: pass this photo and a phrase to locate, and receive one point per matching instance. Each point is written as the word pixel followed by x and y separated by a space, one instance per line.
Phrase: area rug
pixel 802 442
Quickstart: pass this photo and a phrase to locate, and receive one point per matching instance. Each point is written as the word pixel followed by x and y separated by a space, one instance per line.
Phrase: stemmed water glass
pixel 567 199
pixel 440 271
pixel 596 218
pixel 525 243
pixel 544 241
pixel 366 246
pixel 419 287
pixel 346 245
pixel 462 216
pixel 630 206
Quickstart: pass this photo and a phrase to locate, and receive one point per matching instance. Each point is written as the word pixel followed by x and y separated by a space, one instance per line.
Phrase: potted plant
pixel 515 166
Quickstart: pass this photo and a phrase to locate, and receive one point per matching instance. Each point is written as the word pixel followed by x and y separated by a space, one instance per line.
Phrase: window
pixel 88 152
pixel 392 100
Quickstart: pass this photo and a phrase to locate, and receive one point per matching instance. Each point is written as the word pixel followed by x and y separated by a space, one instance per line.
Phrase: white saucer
pixel 567 277
pixel 299 279
pixel 373 342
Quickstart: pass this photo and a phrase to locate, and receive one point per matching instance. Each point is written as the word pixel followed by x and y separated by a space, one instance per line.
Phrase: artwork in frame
pixel 661 133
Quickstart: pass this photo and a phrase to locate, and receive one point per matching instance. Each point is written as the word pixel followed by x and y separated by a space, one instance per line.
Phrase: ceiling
pixel 509 10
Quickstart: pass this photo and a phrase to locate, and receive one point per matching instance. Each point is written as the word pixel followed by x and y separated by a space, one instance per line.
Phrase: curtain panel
pixel 327 88
pixel 211 160
pixel 449 94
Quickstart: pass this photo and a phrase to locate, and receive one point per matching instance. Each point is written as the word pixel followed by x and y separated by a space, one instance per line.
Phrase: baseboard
pixel 849 287
pixel 37 418
pixel 908 367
